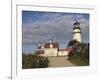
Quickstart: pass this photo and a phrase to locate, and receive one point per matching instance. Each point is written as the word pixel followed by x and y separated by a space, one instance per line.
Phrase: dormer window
pixel 42 47
pixel 51 46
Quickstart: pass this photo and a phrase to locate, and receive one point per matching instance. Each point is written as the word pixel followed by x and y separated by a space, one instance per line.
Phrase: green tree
pixel 80 50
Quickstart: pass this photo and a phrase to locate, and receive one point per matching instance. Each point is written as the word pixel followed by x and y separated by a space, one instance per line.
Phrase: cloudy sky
pixel 40 27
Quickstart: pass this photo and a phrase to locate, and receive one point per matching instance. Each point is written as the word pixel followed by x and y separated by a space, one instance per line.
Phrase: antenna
pixel 75 18
pixel 55 39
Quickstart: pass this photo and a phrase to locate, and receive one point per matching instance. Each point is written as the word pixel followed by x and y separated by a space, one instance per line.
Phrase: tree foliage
pixel 80 50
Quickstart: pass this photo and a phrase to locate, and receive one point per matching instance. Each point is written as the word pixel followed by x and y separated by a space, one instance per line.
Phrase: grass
pixel 79 62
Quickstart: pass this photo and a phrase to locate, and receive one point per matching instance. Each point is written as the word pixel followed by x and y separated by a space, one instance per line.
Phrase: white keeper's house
pixel 51 48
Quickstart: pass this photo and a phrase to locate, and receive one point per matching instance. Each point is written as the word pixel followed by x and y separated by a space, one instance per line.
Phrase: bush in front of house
pixel 34 61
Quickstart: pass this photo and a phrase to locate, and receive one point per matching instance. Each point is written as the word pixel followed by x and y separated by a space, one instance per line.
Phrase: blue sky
pixel 42 26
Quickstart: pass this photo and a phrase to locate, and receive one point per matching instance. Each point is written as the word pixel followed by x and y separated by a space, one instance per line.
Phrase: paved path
pixel 59 62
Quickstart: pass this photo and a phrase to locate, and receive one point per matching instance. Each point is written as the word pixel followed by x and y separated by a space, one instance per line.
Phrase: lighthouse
pixel 77 31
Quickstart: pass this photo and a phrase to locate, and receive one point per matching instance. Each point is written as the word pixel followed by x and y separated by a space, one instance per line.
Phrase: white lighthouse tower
pixel 77 31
